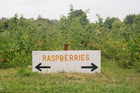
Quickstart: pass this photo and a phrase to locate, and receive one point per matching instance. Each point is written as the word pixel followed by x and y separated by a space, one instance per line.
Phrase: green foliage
pixel 109 22
pixel 137 19
pixel 79 14
pixel 129 19
pixel 100 20
pixel 117 40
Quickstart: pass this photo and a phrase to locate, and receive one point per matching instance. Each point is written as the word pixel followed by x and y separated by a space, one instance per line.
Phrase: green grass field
pixel 112 79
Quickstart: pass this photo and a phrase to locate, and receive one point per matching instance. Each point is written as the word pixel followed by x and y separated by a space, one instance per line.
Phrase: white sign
pixel 88 61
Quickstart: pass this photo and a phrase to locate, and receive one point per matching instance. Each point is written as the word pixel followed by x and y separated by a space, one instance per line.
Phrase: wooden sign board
pixel 84 61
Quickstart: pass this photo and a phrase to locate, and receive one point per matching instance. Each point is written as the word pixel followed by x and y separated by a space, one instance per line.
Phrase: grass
pixel 112 79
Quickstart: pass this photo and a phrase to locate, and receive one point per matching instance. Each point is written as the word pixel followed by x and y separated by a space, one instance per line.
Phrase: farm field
pixel 118 41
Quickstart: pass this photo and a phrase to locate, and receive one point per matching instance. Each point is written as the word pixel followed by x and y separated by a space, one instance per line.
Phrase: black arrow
pixel 38 67
pixel 93 67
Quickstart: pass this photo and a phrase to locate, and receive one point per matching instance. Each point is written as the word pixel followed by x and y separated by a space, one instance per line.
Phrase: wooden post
pixel 66 47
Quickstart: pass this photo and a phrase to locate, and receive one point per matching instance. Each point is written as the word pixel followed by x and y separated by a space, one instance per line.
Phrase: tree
pixel 137 19
pixel 129 19
pixel 100 20
pixel 136 24
pixel 78 14
pixel 116 24
pixel 109 21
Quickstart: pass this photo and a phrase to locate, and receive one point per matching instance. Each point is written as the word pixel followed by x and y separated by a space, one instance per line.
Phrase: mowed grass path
pixel 112 79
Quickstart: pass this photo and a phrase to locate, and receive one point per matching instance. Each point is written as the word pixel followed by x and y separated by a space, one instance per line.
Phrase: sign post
pixel 84 61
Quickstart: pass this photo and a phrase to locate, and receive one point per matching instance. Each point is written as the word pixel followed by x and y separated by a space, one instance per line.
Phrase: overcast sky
pixel 53 9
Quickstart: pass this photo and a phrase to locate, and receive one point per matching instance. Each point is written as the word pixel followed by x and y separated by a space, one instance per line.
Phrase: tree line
pixel 117 40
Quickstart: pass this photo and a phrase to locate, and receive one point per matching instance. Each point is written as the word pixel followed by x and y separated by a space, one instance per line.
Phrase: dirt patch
pixel 76 75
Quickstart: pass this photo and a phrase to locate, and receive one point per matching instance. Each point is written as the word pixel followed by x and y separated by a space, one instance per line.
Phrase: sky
pixel 54 9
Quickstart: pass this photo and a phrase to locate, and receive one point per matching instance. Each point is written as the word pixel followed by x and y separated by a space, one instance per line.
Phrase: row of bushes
pixel 116 40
